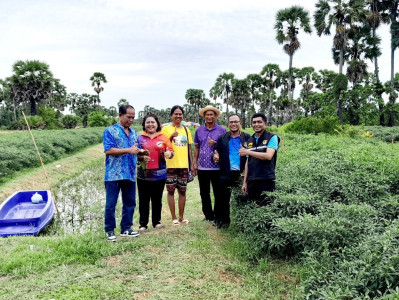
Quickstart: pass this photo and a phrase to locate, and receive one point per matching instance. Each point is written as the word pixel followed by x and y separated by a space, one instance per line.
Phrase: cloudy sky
pixel 153 51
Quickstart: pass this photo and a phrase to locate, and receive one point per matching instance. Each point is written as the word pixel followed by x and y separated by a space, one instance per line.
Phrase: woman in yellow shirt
pixel 177 167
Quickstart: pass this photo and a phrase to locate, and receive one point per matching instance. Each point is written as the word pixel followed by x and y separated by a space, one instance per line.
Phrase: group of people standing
pixel 163 156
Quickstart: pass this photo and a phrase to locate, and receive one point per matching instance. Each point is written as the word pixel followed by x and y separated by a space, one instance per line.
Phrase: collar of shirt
pixel 145 134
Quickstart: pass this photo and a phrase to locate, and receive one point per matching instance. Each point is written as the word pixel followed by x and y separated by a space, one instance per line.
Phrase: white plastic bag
pixel 37 198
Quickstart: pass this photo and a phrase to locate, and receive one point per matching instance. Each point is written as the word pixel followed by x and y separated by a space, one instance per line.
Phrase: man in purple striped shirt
pixel 205 139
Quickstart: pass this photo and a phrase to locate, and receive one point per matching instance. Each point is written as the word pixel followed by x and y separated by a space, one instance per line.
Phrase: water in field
pixel 81 201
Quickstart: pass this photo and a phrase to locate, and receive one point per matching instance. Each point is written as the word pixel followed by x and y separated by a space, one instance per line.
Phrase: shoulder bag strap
pixel 188 149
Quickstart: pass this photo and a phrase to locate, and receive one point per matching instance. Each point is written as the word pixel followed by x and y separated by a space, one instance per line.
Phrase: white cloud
pixel 153 51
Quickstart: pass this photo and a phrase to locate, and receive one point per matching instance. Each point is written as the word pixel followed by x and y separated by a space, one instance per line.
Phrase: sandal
pixel 175 222
pixel 185 221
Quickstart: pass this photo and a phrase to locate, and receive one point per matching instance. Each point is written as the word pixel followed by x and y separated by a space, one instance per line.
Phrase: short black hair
pixel 150 114
pixel 257 115
pixel 176 107
pixel 232 115
pixel 123 109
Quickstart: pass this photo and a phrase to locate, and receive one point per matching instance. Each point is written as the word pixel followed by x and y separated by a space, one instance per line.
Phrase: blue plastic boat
pixel 20 216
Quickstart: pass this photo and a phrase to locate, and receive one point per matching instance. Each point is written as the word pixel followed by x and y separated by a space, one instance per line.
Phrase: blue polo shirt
pixel 120 167
pixel 234 157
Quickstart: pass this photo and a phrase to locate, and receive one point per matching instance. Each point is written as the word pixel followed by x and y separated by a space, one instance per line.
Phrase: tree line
pixel 32 88
pixel 356 97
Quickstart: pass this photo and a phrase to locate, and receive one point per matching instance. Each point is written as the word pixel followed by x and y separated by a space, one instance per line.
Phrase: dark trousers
pixel 222 204
pixel 257 187
pixel 112 189
pixel 150 191
pixel 205 179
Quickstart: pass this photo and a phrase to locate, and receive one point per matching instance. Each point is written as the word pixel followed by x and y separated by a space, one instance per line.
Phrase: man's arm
pixel 193 169
pixel 268 155
pixel 196 155
pixel 120 151
pixel 244 184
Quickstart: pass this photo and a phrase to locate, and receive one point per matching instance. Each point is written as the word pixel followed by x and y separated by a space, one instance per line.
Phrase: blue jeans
pixel 112 189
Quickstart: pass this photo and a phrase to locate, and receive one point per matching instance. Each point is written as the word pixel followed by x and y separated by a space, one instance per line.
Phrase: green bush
pixel 50 118
pixel 97 119
pixel 70 121
pixel 314 126
pixel 18 151
pixel 386 134
pixel 335 204
pixel 34 122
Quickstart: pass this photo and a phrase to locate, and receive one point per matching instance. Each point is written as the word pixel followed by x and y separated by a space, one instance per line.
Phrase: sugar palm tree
pixel 96 80
pixel 374 19
pixel 241 97
pixel 255 82
pixel 342 14
pixel 196 98
pixel 288 23
pixel 307 77
pixel 390 15
pixel 222 89
pixel 272 76
pixel 31 82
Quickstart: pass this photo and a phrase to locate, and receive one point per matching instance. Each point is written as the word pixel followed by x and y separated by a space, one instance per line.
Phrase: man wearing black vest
pixel 262 155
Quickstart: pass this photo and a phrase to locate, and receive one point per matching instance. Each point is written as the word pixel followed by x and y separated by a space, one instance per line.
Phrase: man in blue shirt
pixel 121 149
pixel 262 155
pixel 231 167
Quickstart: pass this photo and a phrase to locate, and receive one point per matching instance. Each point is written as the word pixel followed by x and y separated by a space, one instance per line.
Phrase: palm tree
pixel 96 80
pixel 306 77
pixel 222 89
pixel 272 75
pixel 342 14
pixel 196 98
pixel 241 97
pixel 289 21
pixel 390 15
pixel 373 20
pixel 123 101
pixel 255 82
pixel 31 82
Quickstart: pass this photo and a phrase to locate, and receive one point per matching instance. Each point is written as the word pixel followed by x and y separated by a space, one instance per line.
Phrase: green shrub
pixel 335 204
pixel 386 134
pixel 33 121
pixel 97 119
pixel 313 126
pixel 70 121
pixel 50 118
pixel 18 151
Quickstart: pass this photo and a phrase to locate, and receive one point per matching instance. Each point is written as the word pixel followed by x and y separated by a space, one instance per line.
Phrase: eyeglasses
pixel 234 122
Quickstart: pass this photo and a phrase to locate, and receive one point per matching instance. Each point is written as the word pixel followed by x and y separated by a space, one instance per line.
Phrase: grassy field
pixel 72 260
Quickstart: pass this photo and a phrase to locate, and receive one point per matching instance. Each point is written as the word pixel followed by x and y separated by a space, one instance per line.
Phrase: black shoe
pixel 207 220
pixel 130 233
pixel 110 236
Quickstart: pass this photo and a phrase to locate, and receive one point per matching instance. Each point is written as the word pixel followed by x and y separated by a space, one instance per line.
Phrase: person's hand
pixel 144 152
pixel 146 158
pixel 168 154
pixel 211 142
pixel 194 168
pixel 216 156
pixel 175 133
pixel 244 188
pixel 243 151
pixel 134 149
